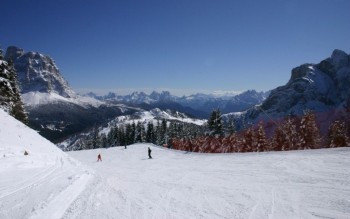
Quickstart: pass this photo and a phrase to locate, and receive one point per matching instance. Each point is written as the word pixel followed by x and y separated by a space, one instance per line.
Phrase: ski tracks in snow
pixel 273 199
pixel 166 199
pixel 60 203
pixel 46 194
pixel 35 180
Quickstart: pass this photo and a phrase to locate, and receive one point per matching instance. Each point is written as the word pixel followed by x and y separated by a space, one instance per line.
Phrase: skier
pixel 99 158
pixel 149 153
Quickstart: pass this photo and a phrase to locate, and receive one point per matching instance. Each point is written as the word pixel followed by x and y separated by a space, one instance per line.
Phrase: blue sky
pixel 185 46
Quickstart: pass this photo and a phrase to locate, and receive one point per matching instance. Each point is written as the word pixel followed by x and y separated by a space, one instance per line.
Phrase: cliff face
pixel 317 87
pixel 38 73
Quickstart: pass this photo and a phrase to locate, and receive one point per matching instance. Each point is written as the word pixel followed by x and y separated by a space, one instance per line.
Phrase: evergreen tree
pixel 163 132
pixel 138 133
pixel 150 135
pixel 143 133
pixel 158 134
pixel 231 125
pixel 248 141
pixel 95 140
pixel 92 140
pixel 129 134
pixel 122 137
pixel 291 135
pixel 337 135
pixel 103 141
pixel 309 132
pixel 261 142
pixel 347 117
pixel 279 140
pixel 10 99
pixel 179 129
pixel 18 107
pixel 114 137
pixel 215 123
pixel 172 129
pixel 133 132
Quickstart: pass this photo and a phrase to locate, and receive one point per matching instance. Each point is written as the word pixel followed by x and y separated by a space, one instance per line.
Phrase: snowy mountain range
pixel 199 102
pixel 56 111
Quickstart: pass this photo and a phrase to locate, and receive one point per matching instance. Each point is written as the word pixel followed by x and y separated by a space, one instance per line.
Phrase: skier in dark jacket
pixel 149 153
pixel 99 158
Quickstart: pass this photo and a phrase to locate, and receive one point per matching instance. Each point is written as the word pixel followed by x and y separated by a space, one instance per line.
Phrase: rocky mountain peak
pixel 339 58
pixel 300 72
pixel 38 73
pixel 13 53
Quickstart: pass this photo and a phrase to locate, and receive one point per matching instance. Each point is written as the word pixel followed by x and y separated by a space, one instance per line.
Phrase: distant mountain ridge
pixel 42 83
pixel 200 102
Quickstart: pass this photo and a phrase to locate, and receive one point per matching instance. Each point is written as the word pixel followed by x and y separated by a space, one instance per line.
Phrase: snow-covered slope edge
pixel 40 185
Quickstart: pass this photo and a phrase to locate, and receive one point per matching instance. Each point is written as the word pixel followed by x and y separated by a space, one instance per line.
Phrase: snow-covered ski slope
pixel 42 184
pixel 126 184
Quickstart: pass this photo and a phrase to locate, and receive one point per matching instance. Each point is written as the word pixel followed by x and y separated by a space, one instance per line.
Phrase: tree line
pixel 159 132
pixel 219 136
pixel 291 134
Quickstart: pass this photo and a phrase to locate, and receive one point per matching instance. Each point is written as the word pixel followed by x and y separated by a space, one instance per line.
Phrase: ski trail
pixel 273 198
pixel 155 214
pixel 40 177
pixel 167 197
pixel 254 210
pixel 57 207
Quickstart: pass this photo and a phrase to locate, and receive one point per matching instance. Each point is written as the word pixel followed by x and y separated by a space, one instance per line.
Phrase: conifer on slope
pixel 10 99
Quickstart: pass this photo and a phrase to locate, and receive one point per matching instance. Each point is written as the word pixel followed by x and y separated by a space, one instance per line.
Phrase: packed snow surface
pixel 48 183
